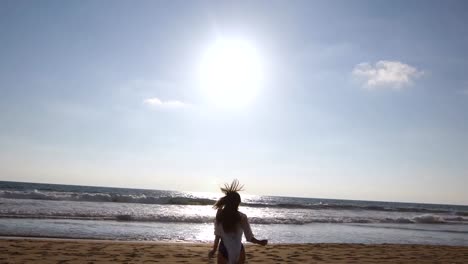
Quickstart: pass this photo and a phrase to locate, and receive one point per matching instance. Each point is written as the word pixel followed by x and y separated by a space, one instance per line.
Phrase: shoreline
pixel 170 242
pixel 63 250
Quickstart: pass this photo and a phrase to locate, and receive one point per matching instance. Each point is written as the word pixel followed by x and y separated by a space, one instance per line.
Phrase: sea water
pixel 66 211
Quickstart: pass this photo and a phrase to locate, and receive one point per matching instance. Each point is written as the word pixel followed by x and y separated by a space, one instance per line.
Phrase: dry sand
pixel 28 250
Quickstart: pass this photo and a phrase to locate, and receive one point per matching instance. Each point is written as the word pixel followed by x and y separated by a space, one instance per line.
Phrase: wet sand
pixel 36 250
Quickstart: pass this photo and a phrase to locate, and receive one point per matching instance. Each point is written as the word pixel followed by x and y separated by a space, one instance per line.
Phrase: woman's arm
pixel 248 232
pixel 217 233
pixel 215 246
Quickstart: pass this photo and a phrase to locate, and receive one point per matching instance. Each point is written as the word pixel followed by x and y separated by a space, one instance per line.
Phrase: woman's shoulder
pixel 242 215
pixel 218 213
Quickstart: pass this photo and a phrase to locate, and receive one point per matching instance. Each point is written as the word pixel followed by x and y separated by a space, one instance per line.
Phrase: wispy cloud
pixel 386 74
pixel 169 104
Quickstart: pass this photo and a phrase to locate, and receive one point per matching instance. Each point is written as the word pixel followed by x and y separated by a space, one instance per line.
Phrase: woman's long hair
pixel 229 216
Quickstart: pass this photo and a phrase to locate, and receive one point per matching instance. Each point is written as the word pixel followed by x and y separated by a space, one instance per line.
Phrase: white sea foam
pixel 158 231
pixel 428 219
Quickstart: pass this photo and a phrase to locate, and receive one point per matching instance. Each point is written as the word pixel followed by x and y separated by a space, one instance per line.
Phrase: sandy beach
pixel 32 250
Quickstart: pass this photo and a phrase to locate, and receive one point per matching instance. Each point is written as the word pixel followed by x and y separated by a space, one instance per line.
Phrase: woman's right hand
pixel 211 253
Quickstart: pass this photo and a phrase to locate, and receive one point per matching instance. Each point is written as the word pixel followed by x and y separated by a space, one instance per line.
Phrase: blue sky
pixel 359 100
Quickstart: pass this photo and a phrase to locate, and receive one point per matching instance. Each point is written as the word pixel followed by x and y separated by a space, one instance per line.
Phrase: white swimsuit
pixel 233 240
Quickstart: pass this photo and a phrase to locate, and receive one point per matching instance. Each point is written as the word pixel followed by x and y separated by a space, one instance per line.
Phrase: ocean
pixel 68 211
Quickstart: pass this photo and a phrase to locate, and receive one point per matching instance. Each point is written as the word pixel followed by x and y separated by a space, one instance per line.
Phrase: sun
pixel 231 73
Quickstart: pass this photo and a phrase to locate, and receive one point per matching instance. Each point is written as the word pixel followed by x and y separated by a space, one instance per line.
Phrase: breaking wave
pixel 104 197
pixel 183 200
pixel 200 219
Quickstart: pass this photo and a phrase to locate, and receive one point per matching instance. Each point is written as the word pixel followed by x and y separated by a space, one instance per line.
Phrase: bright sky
pixel 333 99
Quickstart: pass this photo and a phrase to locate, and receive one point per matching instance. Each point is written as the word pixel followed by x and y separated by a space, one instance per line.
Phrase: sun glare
pixel 231 73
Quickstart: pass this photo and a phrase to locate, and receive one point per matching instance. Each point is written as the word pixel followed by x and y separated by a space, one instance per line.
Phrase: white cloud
pixel 386 74
pixel 156 102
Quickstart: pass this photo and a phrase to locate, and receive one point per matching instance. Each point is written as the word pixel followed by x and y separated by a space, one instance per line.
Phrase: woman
pixel 229 226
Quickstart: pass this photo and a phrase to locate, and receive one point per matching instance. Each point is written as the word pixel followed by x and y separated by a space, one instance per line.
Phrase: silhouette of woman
pixel 229 226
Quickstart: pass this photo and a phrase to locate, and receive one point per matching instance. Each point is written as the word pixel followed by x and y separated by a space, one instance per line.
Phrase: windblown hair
pixel 229 215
